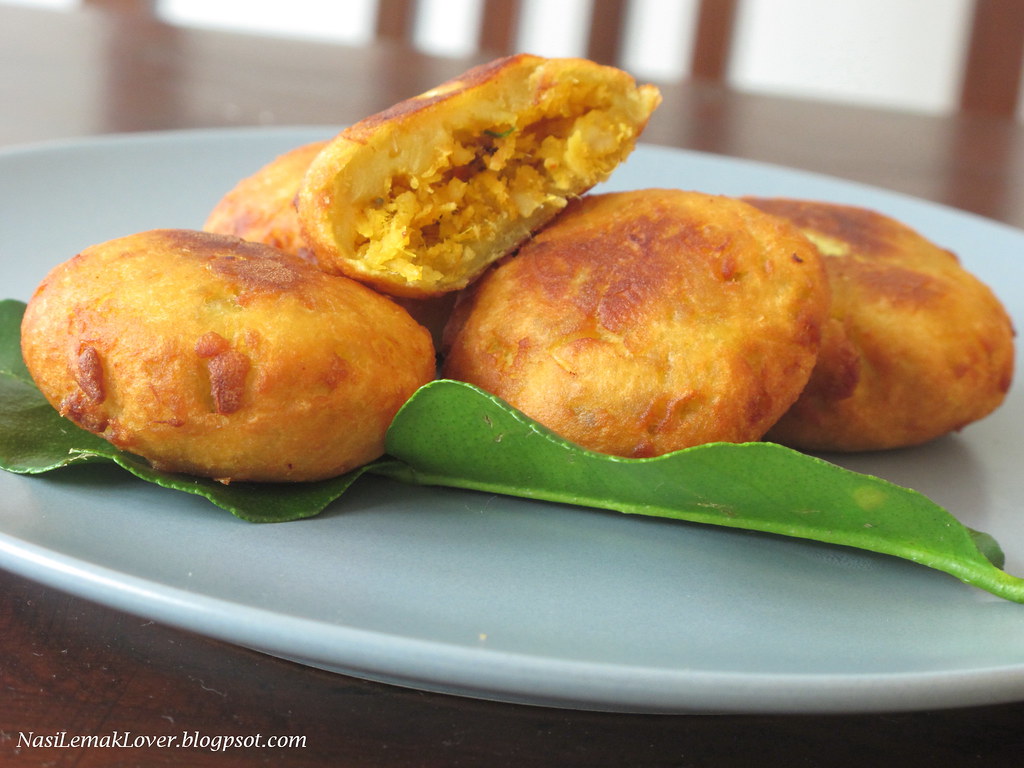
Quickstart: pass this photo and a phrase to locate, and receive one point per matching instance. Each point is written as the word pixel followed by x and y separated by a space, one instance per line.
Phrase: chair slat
pixel 713 39
pixel 396 19
pixel 607 21
pixel 143 7
pixel 499 30
pixel 995 57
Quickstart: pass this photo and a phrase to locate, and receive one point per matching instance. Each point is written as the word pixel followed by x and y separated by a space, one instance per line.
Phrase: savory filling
pixel 443 221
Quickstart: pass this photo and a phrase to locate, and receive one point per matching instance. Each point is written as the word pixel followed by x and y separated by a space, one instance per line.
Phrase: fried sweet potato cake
pixel 639 323
pixel 213 356
pixel 261 207
pixel 915 346
pixel 418 200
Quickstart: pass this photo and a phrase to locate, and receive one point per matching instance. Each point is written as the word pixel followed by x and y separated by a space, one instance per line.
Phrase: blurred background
pixel 914 55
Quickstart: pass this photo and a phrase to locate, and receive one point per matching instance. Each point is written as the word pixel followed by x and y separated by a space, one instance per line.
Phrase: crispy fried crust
pixel 261 207
pixel 915 346
pixel 216 357
pixel 419 199
pixel 638 323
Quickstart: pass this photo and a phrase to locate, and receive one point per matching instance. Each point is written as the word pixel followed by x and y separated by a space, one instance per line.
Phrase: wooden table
pixel 69 665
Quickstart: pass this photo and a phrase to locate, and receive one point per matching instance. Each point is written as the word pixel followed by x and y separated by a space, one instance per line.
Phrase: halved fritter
pixel 418 200
pixel 261 209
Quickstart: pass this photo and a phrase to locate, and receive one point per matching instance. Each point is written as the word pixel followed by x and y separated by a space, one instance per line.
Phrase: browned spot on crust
pixel 619 305
pixel 228 371
pixel 863 230
pixel 837 376
pixel 592 273
pixel 336 373
pixel 263 273
pixel 119 436
pixel 80 410
pixel 1006 379
pixel 760 406
pixel 89 374
pixel 211 344
pixel 199 244
pixel 895 284
pixel 659 415
pixel 728 269
pixel 172 422
pixel 256 266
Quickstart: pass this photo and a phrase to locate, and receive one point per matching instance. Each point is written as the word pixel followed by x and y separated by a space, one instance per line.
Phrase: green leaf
pixel 35 438
pixel 450 433
pixel 254 502
pixel 10 339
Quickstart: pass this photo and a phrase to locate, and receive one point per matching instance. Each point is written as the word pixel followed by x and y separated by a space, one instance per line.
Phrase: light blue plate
pixel 501 598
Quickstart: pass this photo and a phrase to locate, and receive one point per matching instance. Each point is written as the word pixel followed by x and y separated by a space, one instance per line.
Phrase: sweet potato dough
pixel 419 199
pixel 216 357
pixel 639 323
pixel 915 346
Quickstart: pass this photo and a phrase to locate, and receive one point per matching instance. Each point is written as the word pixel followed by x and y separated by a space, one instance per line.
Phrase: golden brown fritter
pixel 638 323
pixel 217 357
pixel 915 346
pixel 261 207
pixel 419 199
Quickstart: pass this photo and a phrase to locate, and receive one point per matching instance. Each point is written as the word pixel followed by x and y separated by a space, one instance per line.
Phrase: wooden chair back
pixel 991 71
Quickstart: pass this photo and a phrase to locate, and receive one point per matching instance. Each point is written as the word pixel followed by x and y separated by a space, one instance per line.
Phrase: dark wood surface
pixel 67 665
